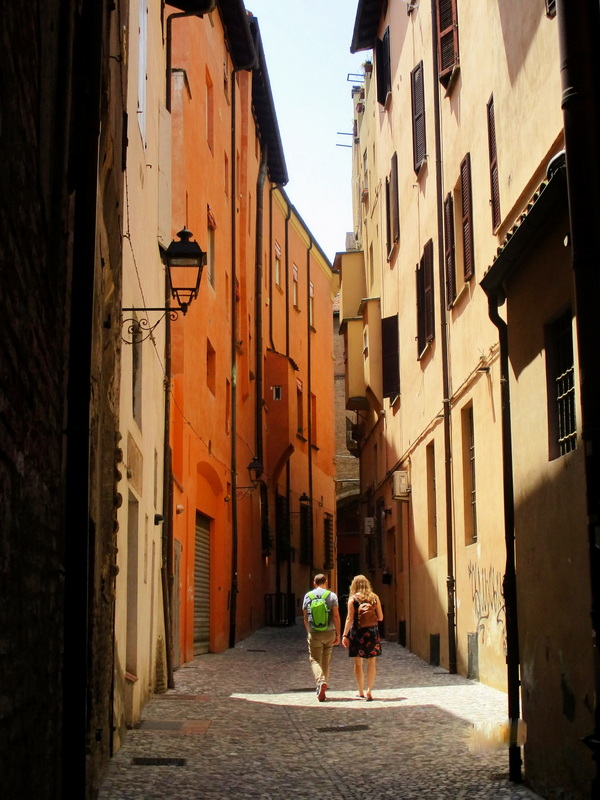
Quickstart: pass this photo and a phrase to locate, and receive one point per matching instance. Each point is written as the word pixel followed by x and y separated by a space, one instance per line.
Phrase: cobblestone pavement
pixel 246 723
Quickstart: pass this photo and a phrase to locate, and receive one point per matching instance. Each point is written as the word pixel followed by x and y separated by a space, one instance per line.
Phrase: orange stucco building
pixel 251 369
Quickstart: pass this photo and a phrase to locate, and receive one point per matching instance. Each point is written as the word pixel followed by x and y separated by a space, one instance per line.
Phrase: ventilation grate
pixel 159 762
pixel 343 728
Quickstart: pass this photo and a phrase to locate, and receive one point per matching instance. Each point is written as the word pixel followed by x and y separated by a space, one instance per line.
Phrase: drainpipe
pixel 450 580
pixel 579 34
pixel 309 398
pixel 166 570
pixel 234 345
pixel 509 583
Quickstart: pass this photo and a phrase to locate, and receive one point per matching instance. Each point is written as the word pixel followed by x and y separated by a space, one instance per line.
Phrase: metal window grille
pixel 565 385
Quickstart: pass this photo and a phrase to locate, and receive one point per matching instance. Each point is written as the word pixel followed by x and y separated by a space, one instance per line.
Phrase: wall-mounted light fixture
pixel 255 471
pixel 304 499
pixel 184 261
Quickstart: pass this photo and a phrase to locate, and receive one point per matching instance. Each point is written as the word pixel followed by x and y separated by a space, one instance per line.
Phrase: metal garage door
pixel 202 585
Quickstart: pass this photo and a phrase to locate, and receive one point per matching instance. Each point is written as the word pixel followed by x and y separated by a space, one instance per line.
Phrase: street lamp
pixel 184 261
pixel 255 470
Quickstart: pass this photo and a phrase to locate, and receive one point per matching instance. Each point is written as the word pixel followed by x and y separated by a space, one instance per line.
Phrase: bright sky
pixel 307 48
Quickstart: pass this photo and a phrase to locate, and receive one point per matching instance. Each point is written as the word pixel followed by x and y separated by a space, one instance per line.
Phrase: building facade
pixel 458 129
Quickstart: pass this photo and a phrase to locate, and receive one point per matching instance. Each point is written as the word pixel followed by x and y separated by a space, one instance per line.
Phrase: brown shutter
pixel 395 205
pixel 390 363
pixel 467 217
pixel 383 67
pixel 418 112
pixel 447 38
pixel 449 250
pixel 421 341
pixel 428 290
pixel 494 184
pixel 388 218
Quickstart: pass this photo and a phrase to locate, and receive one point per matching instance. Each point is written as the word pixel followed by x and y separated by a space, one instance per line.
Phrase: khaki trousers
pixel 320 645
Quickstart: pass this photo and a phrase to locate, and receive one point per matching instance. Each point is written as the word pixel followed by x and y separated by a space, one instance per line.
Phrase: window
pixel 295 286
pixel 392 206
pixel 211 367
pixel 550 8
pixel 383 67
pixel 276 392
pixel 458 243
pixel 277 264
pixel 425 310
pixel 328 562
pixel 466 206
pixel 469 485
pixel 431 501
pixel 299 408
pixel 418 116
pixel 494 182
pixel 209 111
pixel 390 363
pixel 311 305
pixel 210 248
pixel 314 420
pixel 560 375
pixel 447 40
pixel 306 539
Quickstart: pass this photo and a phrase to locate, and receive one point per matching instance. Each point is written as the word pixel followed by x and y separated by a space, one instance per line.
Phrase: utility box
pixel 400 484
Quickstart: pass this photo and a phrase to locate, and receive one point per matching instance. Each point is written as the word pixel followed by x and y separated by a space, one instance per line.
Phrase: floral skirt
pixel 365 643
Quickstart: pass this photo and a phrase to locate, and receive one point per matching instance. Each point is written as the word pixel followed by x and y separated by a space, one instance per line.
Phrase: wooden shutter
pixel 395 205
pixel 383 67
pixel 494 184
pixel 447 39
pixel 418 114
pixel 425 310
pixel 449 250
pixel 467 217
pixel 428 290
pixel 390 356
pixel 388 218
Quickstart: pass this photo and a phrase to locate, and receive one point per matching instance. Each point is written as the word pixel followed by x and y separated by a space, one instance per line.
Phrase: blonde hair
pixel 362 586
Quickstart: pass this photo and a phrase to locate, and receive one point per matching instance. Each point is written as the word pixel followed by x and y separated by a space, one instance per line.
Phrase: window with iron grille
pixel 447 40
pixel 425 309
pixel 306 539
pixel 328 541
pixel 550 8
pixel 560 371
pixel 383 67
pixel 494 180
pixel 418 116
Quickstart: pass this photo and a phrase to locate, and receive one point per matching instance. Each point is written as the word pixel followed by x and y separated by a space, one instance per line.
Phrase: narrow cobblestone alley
pixel 246 724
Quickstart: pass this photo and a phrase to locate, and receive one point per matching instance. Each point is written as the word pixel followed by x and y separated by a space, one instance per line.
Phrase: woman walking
pixel 361 632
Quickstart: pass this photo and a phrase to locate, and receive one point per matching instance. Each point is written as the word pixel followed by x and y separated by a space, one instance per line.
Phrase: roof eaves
pixel 549 198
pixel 264 109
pixel 366 23
pixel 237 33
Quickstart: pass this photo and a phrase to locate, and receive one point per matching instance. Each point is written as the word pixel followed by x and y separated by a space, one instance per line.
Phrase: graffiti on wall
pixel 488 601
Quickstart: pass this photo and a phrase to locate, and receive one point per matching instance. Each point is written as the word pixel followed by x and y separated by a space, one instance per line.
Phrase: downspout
pixel 309 399
pixel 579 34
pixel 450 580
pixel 166 570
pixel 509 583
pixel 234 345
pixel 234 515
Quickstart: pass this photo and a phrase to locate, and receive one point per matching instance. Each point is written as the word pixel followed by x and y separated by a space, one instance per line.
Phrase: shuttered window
pixel 425 310
pixel 418 115
pixel 494 184
pixel 449 252
pixel 390 356
pixel 447 39
pixel 392 206
pixel 467 217
pixel 383 67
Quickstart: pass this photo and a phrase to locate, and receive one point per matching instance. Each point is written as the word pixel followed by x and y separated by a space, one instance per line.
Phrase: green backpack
pixel 319 611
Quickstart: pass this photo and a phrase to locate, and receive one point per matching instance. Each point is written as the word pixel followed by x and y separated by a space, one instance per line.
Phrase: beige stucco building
pixel 457 123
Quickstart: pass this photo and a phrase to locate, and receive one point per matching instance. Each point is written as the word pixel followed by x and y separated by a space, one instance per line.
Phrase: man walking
pixel 322 623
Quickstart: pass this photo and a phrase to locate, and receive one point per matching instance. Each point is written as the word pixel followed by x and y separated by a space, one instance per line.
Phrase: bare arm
pixel 336 622
pixel 349 620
